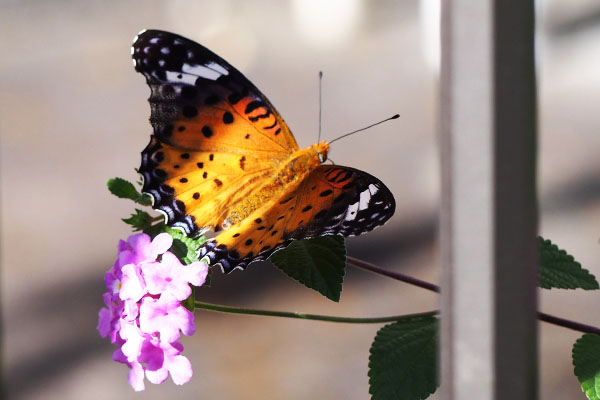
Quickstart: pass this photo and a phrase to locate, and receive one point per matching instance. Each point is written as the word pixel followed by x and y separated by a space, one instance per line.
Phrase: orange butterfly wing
pixel 215 134
pixel 332 200
pixel 218 140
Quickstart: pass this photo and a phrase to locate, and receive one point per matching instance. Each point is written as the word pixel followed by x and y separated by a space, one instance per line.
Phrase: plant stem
pixel 395 275
pixel 284 314
pixel 576 326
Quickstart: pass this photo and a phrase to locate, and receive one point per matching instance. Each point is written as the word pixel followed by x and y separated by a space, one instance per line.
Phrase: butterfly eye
pixel 321 157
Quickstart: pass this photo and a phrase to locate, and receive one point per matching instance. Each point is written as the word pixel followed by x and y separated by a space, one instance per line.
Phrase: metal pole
pixel 489 219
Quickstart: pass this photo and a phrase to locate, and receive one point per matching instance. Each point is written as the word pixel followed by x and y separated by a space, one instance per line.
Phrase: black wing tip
pixel 155 51
pixel 146 34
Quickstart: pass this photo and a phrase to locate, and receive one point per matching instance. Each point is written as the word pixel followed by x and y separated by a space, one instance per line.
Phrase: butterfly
pixel 222 158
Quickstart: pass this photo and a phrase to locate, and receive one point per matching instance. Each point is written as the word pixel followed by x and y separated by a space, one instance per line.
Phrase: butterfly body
pixel 222 158
pixel 282 182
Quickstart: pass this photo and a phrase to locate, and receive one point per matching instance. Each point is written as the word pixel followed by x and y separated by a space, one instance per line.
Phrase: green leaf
pixel 125 190
pixel 140 221
pixel 586 363
pixel 318 263
pixel 185 248
pixel 560 270
pixel 403 360
pixel 155 229
pixel 180 250
pixel 122 188
pixel 189 302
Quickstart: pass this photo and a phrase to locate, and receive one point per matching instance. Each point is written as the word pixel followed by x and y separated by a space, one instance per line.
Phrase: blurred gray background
pixel 73 113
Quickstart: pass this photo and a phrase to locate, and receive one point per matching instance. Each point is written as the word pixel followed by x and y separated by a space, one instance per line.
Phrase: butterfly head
pixel 321 148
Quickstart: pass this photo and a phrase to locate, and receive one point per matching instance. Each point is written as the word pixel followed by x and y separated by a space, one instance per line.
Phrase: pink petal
pixel 136 377
pixel 126 257
pixel 153 275
pixel 171 260
pixel 132 285
pixel 179 289
pixel 131 310
pixel 112 282
pixel 152 314
pixel 158 376
pixel 138 250
pixel 154 317
pixel 118 356
pixel 122 245
pixel 176 348
pixel 173 275
pixel 152 354
pixel 179 366
pixel 186 321
pixel 138 242
pixel 166 316
pixel 161 243
pixel 196 273
pixel 134 338
pixel 167 276
pixel 104 322
pixel 108 317
pixel 180 369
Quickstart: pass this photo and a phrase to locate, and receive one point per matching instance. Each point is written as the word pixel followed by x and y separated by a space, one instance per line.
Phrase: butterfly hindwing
pixel 343 201
pixel 332 200
pixel 214 131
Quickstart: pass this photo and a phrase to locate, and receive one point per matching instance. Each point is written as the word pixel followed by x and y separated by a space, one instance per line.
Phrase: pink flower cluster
pixel 144 314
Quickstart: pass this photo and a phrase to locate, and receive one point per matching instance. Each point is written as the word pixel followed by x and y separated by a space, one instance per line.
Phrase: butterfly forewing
pixel 195 189
pixel 203 109
pixel 332 200
pixel 199 101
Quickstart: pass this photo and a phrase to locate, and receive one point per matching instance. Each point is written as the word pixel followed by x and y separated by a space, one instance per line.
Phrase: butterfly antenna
pixel 366 127
pixel 320 102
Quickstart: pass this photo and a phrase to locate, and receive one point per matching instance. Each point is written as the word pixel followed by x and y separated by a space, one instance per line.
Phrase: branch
pixel 395 275
pixel 285 314
pixel 576 326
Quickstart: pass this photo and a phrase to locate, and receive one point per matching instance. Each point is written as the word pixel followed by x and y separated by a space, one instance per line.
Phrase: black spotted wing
pixel 215 133
pixel 332 200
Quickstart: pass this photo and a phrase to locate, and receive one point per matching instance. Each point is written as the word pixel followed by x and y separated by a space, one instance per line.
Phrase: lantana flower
pixel 143 315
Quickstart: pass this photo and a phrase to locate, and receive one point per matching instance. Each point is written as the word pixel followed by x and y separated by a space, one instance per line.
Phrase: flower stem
pixel 329 318
pixel 395 275
pixel 565 323
pixel 551 319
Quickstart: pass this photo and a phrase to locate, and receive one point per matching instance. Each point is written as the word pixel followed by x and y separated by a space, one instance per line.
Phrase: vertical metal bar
pixel 488 221
pixel 515 254
pixel 467 201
